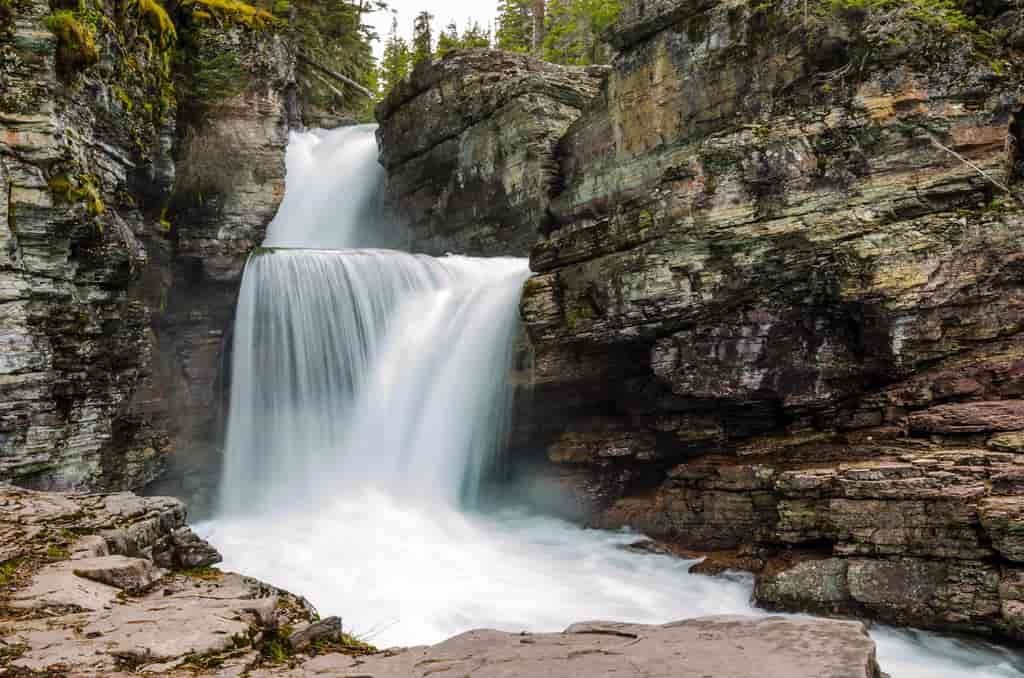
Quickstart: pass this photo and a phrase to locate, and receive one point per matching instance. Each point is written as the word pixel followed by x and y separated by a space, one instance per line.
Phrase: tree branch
pixel 995 182
pixel 337 76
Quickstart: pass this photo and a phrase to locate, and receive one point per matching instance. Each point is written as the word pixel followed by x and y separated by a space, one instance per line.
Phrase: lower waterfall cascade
pixel 369 399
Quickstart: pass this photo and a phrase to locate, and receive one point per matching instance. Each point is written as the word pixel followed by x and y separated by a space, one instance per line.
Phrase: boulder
pixel 326 629
pixel 132 575
pixel 183 550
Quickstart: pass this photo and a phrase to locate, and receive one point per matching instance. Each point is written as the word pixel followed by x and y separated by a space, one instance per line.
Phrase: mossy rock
pixel 76 44
pixel 159 22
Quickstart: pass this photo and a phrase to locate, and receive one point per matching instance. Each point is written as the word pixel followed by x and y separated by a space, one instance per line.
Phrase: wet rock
pixel 813 584
pixel 184 550
pixel 132 575
pixel 739 647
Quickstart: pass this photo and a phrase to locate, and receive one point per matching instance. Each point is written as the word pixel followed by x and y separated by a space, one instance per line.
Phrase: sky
pixel 444 11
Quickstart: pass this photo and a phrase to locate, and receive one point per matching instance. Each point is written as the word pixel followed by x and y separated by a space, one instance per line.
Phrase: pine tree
pixel 422 38
pixel 475 36
pixel 514 30
pixel 574 29
pixel 448 40
pixel 396 60
pixel 333 33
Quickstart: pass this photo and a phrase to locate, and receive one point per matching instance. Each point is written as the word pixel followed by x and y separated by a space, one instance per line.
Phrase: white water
pixel 367 395
pixel 367 368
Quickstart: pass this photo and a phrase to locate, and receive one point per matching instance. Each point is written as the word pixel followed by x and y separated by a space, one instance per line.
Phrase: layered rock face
pixel 779 303
pixel 110 313
pixel 76 345
pixel 468 145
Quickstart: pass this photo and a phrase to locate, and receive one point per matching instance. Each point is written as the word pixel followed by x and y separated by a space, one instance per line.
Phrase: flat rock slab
pixel 715 647
pixel 183 616
pixel 134 575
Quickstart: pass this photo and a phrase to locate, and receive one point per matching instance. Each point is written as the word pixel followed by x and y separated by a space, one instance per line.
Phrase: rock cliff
pixel 115 291
pixel 468 145
pixel 779 302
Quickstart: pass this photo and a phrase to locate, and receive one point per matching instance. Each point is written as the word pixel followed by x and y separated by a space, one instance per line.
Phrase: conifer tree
pixel 475 36
pixel 574 30
pixel 395 61
pixel 422 38
pixel 514 30
pixel 448 40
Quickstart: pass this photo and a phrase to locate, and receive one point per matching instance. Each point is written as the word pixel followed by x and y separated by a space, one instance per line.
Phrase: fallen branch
pixel 330 85
pixel 337 76
pixel 995 182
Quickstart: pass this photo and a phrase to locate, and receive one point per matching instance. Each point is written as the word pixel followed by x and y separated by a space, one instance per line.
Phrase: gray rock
pixel 132 575
pixel 183 549
pixel 326 629
pixel 469 146
pixel 737 647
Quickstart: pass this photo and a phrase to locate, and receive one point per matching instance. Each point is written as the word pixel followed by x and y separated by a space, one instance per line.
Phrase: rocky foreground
pixel 115 584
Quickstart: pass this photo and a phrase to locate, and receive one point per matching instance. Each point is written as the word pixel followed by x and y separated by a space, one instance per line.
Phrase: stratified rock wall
pixel 780 299
pixel 75 344
pixel 111 314
pixel 468 145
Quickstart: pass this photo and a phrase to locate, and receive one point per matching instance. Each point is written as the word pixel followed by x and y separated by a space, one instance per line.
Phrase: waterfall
pixel 359 368
pixel 368 368
pixel 334 184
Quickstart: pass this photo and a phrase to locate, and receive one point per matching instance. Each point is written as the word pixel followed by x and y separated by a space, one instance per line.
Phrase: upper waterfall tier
pixel 332 198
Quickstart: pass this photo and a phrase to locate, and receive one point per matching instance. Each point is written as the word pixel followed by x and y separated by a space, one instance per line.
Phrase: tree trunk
pixel 538 28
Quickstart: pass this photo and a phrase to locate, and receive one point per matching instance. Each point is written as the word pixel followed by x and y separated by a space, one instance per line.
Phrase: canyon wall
pixel 781 297
pixel 119 264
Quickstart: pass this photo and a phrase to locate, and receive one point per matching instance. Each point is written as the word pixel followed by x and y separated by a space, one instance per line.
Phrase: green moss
pixel 346 644
pixel 235 11
pixel 9 569
pixel 159 22
pixel 204 573
pixel 56 552
pixel 81 188
pixel 165 223
pixel 282 8
pixel 76 44
pixel 574 315
pixel 126 101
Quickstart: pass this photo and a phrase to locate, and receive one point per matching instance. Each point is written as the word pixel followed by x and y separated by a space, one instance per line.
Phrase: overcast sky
pixel 444 11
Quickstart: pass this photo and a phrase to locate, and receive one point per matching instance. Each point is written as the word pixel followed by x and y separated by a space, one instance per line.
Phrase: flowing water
pixel 368 400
